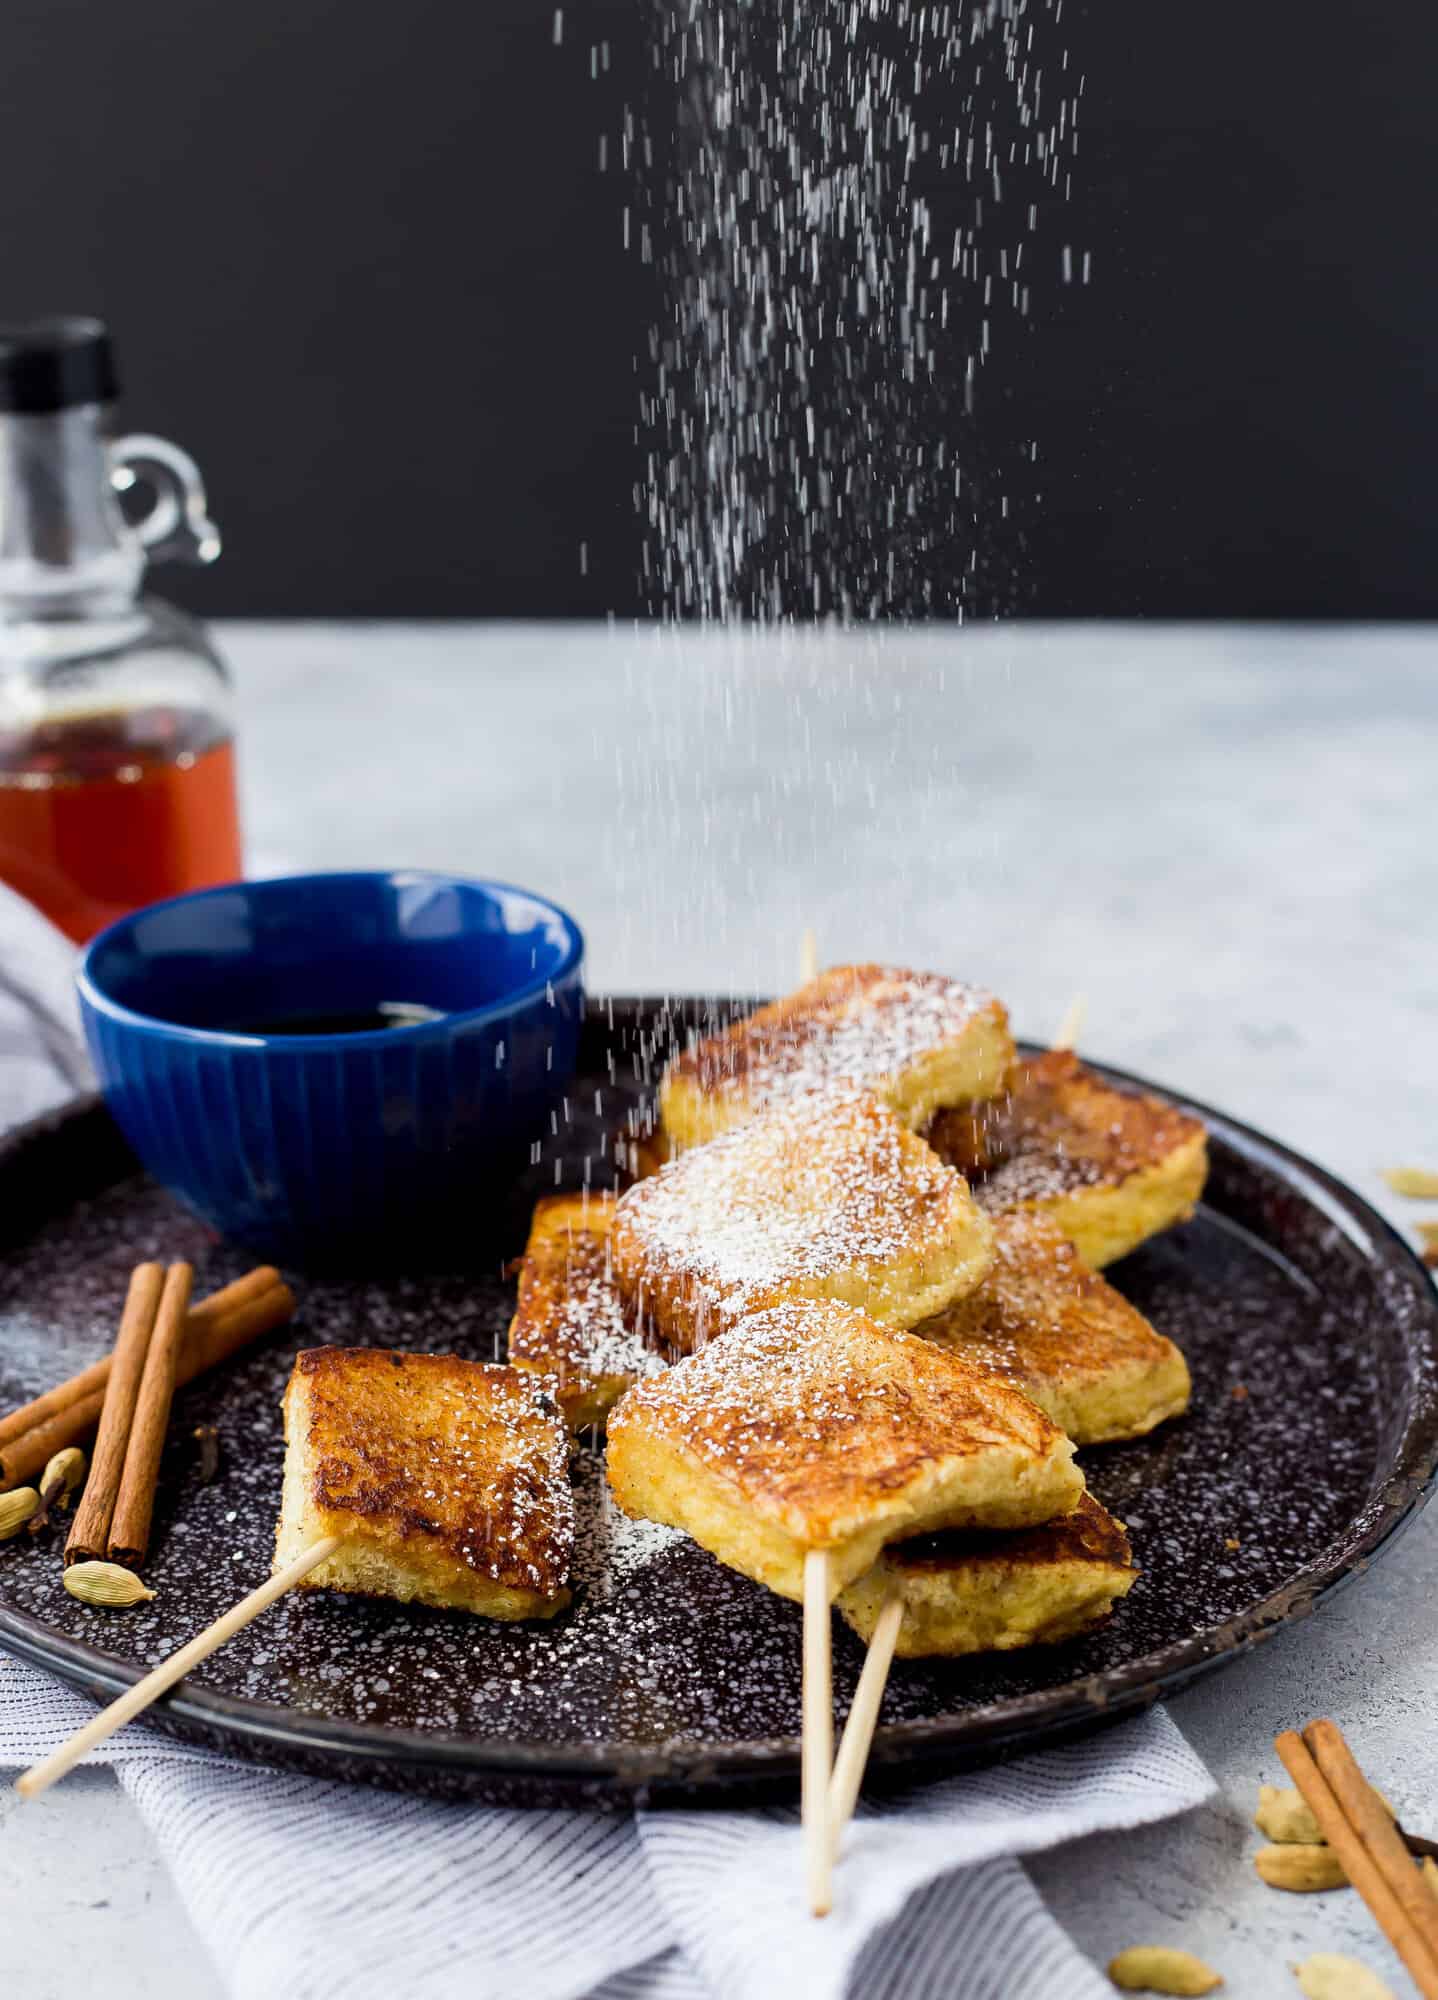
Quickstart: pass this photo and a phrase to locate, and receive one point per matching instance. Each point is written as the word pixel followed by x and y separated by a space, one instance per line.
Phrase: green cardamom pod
pixel 15 1510
pixel 62 1475
pixel 105 1583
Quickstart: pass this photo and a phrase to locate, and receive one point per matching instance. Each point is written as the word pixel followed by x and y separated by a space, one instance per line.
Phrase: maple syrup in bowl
pixel 101 813
pixel 338 1070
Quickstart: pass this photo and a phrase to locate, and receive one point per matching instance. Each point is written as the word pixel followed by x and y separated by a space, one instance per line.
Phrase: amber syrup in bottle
pixel 101 813
pixel 117 774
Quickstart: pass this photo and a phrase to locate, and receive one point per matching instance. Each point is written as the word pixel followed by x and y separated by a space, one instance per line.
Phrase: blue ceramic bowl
pixel 318 1146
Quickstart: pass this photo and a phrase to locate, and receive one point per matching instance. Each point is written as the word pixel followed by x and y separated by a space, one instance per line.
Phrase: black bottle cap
pixel 53 364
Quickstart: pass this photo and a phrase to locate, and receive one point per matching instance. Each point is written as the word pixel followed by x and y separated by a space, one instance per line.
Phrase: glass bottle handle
pixel 178 527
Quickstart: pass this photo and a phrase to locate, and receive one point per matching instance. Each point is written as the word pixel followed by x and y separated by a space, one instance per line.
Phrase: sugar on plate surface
pixel 448 1481
pixel 1062 1334
pixel 976 1592
pixel 916 1040
pixel 1111 1167
pixel 827 1198
pixel 569 1321
pixel 808 1427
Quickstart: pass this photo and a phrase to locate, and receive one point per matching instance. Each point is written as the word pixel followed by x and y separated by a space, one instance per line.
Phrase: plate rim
pixel 239 1725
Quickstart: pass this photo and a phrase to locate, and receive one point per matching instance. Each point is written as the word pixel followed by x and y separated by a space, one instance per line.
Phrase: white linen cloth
pixel 303 1889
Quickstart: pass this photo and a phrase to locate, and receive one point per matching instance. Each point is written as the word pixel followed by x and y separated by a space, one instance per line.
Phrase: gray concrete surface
pixel 1225 837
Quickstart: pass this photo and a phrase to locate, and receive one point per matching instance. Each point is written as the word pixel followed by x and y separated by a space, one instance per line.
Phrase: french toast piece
pixel 808 1427
pixel 1060 1333
pixel 641 1147
pixel 988 1593
pixel 914 1039
pixel 569 1323
pixel 1111 1167
pixel 828 1198
pixel 448 1479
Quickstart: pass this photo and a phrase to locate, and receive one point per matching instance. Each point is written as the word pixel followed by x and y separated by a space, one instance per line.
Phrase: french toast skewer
pixel 137 1699
pixel 802 1442
pixel 818 1733
pixel 477 1513
pixel 863 1717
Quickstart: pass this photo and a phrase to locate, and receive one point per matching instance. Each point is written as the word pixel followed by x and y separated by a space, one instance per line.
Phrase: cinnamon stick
pixel 244 1291
pixel 90 1534
pixel 216 1328
pixel 89 1382
pixel 1376 1828
pixel 135 1502
pixel 79 1387
pixel 33 1452
pixel 1359 1864
pixel 215 1339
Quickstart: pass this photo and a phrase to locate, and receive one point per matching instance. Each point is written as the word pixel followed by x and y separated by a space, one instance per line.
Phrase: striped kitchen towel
pixel 304 1889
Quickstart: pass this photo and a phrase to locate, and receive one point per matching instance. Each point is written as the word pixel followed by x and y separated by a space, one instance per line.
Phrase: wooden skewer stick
pixel 808 956
pixel 818 1733
pixel 1359 1864
pixel 853 1758
pixel 1071 1026
pixel 134 1700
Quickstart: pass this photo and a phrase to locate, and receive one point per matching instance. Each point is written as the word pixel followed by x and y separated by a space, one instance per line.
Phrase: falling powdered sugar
pixel 858 1026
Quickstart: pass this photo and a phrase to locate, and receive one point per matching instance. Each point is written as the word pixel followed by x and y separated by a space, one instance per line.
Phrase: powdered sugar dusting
pixel 858 1026
pixel 812 1405
pixel 570 1319
pixel 609 1546
pixel 816 1187
pixel 1061 1127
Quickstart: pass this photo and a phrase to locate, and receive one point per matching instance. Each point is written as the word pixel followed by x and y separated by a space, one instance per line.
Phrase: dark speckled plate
pixel 1311 1329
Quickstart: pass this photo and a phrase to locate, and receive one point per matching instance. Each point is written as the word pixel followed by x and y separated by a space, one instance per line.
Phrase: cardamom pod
pixel 1286 1816
pixel 1329 1975
pixel 105 1583
pixel 15 1510
pixel 64 1474
pixel 1417 1183
pixel 1302 1869
pixel 1157 1968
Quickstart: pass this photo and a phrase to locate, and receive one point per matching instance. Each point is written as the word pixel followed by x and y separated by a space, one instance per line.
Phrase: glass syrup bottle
pixel 117 776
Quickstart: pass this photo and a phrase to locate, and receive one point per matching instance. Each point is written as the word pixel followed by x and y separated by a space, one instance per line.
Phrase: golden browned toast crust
pixel 823 1198
pixel 456 1465
pixel 1111 1165
pixel 970 1137
pixel 1058 1126
pixel 914 1039
pixel 1088 1534
pixel 965 1592
pixel 1064 1336
pixel 569 1321
pixel 808 1427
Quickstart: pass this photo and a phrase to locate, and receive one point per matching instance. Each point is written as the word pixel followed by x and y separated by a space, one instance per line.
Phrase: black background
pixel 361 261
